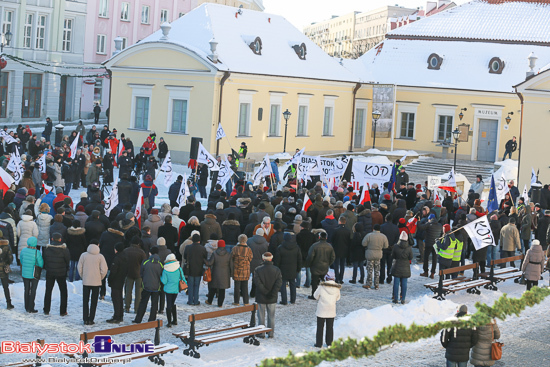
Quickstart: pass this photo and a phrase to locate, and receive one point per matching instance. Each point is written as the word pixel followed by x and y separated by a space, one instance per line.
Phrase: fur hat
pixel 267 256
pixel 161 241
pixel 83 194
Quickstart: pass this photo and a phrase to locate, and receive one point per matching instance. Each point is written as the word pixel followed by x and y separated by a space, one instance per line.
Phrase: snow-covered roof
pixel 497 20
pixel 234 32
pixel 465 64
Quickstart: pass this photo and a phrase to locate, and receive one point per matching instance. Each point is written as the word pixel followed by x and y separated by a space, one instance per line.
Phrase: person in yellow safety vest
pixel 457 256
pixel 446 249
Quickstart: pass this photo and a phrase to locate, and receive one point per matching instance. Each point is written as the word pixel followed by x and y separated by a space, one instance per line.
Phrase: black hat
pixel 97 161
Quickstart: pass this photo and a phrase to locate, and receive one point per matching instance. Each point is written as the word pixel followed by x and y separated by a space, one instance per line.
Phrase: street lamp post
pixel 286 115
pixel 456 135
pixel 375 116
pixel 6 40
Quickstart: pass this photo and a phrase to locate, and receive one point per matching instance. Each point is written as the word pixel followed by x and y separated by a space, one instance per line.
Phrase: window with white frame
pixel 7 22
pixel 27 31
pixel 406 120
pixel 445 127
pixel 101 44
pixel 124 42
pixel 125 11
pixel 407 125
pixel 104 8
pixel 303 114
pixel 145 10
pixel 328 116
pixel 141 102
pixel 276 101
pixel 178 109
pixel 245 112
pixel 163 16
pixel 40 32
pixel 67 34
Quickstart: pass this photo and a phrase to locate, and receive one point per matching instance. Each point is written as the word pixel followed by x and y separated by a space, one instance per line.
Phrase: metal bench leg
pixel 473 291
pixel 157 360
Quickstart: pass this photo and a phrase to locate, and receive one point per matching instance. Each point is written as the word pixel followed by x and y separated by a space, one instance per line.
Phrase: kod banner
pixel 370 173
pixel 480 232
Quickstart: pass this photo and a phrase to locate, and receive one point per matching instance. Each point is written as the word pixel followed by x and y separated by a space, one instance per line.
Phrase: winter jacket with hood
pixel 341 241
pixel 509 237
pixel 305 239
pixel 533 263
pixel 56 259
pixel 209 226
pixel 153 222
pixel 458 342
pixel 92 266
pixel 402 255
pixel 195 257
pixel 6 257
pixel 220 263
pixel 268 281
pixel 328 293
pixel 259 246
pixel 26 228
pixel 107 243
pixel 320 257
pixel 118 271
pixel 374 244
pixel 134 257
pixel 231 229
pixel 151 271
pixel 365 218
pixel 481 352
pixel 29 257
pixel 171 276
pixel 288 257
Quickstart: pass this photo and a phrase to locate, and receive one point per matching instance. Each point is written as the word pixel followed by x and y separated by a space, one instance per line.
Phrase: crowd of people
pixel 249 234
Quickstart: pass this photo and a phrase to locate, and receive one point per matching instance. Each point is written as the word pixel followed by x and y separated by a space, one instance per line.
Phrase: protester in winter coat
pixel 56 263
pixel 94 227
pixel 357 252
pixel 220 263
pixel 268 281
pixel 509 238
pixel 150 191
pixel 329 224
pixel 134 257
pixel 241 256
pixel 30 257
pixel 6 258
pixel 151 271
pixel 171 276
pixel 169 233
pixel 533 264
pixel 401 269
pixel 259 245
pixel 26 229
pixel 328 293
pixel 305 239
pixel 289 260
pixel 231 229
pixel 341 241
pixel 481 352
pixel 374 244
pixel 195 258
pixel 117 275
pixel 92 269
pixel 391 231
pixel 458 341
pixel 153 222
pixel 432 230
pixel 252 223
pixel 208 226
pixel 319 258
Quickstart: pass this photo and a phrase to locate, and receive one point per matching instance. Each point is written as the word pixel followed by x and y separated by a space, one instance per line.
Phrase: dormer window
pixel 300 50
pixel 434 61
pixel 256 46
pixel 496 65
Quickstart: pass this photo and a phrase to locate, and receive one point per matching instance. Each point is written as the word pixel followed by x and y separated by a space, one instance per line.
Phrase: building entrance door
pixel 487 140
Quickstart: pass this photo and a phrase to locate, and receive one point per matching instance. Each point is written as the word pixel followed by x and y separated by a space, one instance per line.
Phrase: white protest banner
pixel 451 181
pixel 320 166
pixel 206 158
pixel 338 168
pixel 525 195
pixel 501 187
pixel 480 232
pixel 296 157
pixel 225 172
pixel 434 182
pixel 220 133
pixel 42 163
pixel 533 176
pixel 7 137
pixel 370 173
pixel 167 169
pixel 112 200
pixel 74 145
pixel 263 170
pixel 183 193
pixel 16 166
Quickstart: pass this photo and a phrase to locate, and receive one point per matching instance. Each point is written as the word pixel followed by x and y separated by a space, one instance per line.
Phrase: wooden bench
pixel 26 364
pixel 155 356
pixel 196 338
pixel 470 285
pixel 501 274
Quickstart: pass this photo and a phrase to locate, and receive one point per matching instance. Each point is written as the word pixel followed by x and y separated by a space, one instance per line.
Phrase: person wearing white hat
pixel 401 268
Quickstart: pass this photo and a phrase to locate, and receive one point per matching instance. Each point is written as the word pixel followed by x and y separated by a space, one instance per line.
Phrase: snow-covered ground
pixel 360 313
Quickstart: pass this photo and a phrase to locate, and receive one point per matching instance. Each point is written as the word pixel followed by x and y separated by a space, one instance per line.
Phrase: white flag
pixel 112 200
pixel 225 172
pixel 183 193
pixel 525 195
pixel 16 166
pixel 167 169
pixel 119 150
pixel 452 179
pixel 42 163
pixel 533 176
pixel 204 157
pixel 7 137
pixel 47 188
pixel 263 170
pixel 220 133
pixel 480 232
pixel 74 145
pixel 501 187
pixel 296 158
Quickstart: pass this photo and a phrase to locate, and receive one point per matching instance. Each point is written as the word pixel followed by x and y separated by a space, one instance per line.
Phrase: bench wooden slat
pixel 506 276
pixel 238 325
pixel 447 282
pixel 467 285
pixel 234 335
pixel 159 349
pixel 506 260
pixel 220 313
pixel 487 274
pixel 120 330
pixel 457 269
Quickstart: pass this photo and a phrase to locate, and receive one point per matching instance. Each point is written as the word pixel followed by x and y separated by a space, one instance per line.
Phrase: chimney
pixel 430 5
pixel 165 27
pixel 214 55
pixel 118 45
pixel 532 62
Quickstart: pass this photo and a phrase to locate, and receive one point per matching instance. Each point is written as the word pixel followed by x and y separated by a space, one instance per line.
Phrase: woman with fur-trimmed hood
pixel 459 341
pixel 328 293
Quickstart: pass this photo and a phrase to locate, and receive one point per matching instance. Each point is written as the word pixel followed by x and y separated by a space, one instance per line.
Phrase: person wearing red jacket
pixel 112 142
pixel 150 146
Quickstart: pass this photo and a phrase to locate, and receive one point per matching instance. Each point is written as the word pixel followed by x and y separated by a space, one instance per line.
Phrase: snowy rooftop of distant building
pixel 235 29
pixel 497 20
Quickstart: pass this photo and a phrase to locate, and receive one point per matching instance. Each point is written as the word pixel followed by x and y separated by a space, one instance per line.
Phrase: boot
pixel 10 306
pixel 174 315
pixel 432 275
pixel 424 275
pixel 169 317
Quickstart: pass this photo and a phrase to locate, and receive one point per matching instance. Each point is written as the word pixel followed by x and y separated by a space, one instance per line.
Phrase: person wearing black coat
pixel 252 223
pixel 233 209
pixel 358 252
pixel 195 257
pixel 169 233
pixel 319 258
pixel 341 241
pixel 289 260
pixel 231 229
pixel 401 269
pixel 124 189
pixel 47 129
pixel 163 150
pixel 174 191
pixel 107 243
pixel 125 164
pixel 458 341
pixel 202 172
pixel 69 175
pixel 198 212
pixel 76 242
pixel 268 280
pixel 134 257
pixel 117 277
pixel 56 263
pixel 432 230
pixel 276 239
pixel 305 239
pixel 400 211
pixel 411 196
pixel 391 231
pixel 365 218
pixel 186 209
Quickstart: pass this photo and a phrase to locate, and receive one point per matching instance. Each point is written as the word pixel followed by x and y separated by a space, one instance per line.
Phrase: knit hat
pixel 176 210
pixel 195 232
pixel 83 194
pixel 387 197
pixel 148 178
pixel 260 232
pixel 267 256
pixel 446 228
pixel 170 257
pixel 57 237
pixel 463 309
pixel 31 191
pixel 402 221
pixel 403 236
pixel 431 216
pixel 221 243
pixel 58 190
pixel 329 276
pixel 80 208
pixel 161 241
pixel 278 215
pixel 535 242
pixel 154 211
pixel 32 241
